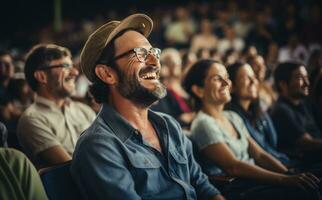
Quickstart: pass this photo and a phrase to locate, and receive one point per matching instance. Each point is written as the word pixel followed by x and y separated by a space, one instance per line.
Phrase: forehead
pixel 65 59
pixel 301 71
pixel 130 40
pixel 245 70
pixel 217 68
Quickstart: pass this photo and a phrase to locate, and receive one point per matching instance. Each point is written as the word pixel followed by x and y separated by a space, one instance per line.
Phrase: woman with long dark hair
pixel 223 141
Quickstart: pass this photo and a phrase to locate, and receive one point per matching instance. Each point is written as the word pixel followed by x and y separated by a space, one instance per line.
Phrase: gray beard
pixel 132 89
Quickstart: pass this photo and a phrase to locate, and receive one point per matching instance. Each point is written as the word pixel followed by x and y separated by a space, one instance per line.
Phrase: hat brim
pixel 139 22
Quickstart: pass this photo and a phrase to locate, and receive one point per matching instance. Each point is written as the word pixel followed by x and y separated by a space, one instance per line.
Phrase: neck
pixel 295 101
pixel 244 103
pixel 215 111
pixel 136 115
pixel 57 100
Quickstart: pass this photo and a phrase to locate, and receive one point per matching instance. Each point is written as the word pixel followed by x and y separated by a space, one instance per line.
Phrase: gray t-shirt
pixel 206 131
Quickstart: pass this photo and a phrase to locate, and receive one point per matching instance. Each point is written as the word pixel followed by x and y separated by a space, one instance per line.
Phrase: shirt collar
pixel 49 103
pixel 120 126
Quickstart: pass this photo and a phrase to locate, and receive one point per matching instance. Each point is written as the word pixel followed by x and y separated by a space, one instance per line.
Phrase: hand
pixel 218 197
pixel 304 181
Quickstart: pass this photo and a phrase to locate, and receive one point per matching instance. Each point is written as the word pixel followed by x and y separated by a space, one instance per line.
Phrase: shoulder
pixel 83 107
pixel 233 116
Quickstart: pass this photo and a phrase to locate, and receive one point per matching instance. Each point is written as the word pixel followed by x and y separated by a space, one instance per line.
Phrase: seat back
pixel 58 182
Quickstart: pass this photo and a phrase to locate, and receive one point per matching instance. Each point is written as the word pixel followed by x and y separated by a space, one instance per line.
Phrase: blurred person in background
pixel 298 132
pixel 178 33
pixel 223 141
pixel 175 103
pixel 7 71
pixel 205 38
pixel 230 41
pixel 49 128
pixel 245 102
pixel 267 95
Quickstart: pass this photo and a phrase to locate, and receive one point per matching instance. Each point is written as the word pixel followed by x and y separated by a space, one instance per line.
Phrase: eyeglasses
pixel 141 53
pixel 63 65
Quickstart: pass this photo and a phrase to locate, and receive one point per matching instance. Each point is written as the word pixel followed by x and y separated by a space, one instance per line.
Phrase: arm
pixel 263 159
pixel 224 157
pixel 54 155
pixel 307 143
pixel 198 179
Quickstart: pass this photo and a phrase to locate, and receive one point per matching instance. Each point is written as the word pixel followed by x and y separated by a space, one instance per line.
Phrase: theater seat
pixel 58 182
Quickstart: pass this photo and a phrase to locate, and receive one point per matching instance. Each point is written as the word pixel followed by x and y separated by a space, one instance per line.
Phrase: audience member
pixel 245 102
pixel 295 125
pixel 179 32
pixel 19 178
pixel 49 128
pixel 267 95
pixel 131 152
pixel 205 38
pixel 223 140
pixel 174 103
pixel 7 71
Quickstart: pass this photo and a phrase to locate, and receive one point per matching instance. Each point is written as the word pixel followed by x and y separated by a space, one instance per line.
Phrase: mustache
pixel 149 69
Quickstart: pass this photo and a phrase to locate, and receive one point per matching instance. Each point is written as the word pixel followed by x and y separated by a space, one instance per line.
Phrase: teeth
pixel 151 75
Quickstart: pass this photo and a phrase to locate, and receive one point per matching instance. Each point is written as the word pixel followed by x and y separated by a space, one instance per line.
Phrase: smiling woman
pixel 225 145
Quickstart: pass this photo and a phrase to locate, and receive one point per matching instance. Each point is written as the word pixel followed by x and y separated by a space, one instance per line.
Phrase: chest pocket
pixel 140 160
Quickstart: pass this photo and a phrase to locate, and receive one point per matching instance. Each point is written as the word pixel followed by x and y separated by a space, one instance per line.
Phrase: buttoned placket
pixel 70 127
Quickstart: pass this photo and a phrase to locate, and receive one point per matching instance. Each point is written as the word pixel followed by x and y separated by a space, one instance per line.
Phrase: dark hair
pixel 40 56
pixel 196 76
pixel 254 111
pixel 283 72
pixel 100 90
pixel 4 53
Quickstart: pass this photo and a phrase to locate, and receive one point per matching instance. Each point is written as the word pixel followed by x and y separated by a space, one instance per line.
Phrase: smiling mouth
pixel 150 73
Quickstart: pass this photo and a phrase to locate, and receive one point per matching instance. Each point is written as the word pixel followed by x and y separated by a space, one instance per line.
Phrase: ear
pixel 106 74
pixel 40 76
pixel 282 85
pixel 198 91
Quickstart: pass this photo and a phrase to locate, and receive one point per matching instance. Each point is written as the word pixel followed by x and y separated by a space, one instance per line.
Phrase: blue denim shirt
pixel 264 133
pixel 112 161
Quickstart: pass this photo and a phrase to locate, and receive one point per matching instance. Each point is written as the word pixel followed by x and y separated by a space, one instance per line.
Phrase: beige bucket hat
pixel 99 39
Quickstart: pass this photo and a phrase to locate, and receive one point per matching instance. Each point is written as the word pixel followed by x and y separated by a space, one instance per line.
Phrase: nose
pixel 152 59
pixel 74 71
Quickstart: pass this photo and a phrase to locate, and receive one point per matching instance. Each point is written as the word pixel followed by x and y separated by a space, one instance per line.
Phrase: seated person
pixel 223 140
pixel 174 103
pixel 296 128
pixel 246 104
pixel 131 152
pixel 19 178
pixel 49 128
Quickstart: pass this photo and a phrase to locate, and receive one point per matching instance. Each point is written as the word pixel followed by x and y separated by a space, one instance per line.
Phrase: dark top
pixel 113 161
pixel 262 131
pixel 292 122
pixel 172 106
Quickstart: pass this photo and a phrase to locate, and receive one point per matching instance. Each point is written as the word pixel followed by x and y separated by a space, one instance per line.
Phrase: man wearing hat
pixel 131 152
